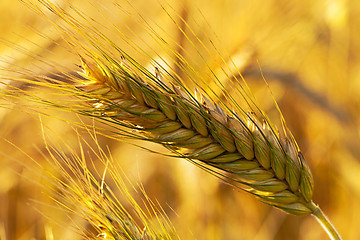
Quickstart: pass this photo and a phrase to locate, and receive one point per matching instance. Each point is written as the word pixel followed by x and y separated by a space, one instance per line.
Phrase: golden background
pixel 307 50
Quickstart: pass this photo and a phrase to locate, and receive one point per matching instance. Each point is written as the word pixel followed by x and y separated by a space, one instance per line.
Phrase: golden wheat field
pixel 304 54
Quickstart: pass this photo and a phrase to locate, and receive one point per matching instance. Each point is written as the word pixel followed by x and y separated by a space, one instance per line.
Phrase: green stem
pixel 324 222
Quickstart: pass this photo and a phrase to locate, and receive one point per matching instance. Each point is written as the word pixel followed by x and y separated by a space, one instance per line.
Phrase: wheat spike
pixel 249 152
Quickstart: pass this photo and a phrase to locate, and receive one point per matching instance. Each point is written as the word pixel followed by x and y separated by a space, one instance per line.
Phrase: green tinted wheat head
pixel 249 152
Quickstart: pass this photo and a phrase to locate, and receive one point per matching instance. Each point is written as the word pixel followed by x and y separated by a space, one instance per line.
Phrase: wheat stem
pixel 324 221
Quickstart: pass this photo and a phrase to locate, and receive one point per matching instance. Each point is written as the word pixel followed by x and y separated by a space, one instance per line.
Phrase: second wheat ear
pixel 234 146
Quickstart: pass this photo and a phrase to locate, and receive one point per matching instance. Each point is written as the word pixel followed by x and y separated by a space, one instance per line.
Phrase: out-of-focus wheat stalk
pixel 100 203
pixel 221 136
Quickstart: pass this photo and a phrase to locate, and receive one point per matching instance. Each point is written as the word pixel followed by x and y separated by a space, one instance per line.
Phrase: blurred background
pixel 308 51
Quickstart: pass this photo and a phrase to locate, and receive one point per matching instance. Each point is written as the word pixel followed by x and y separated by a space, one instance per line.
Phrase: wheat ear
pixel 247 152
